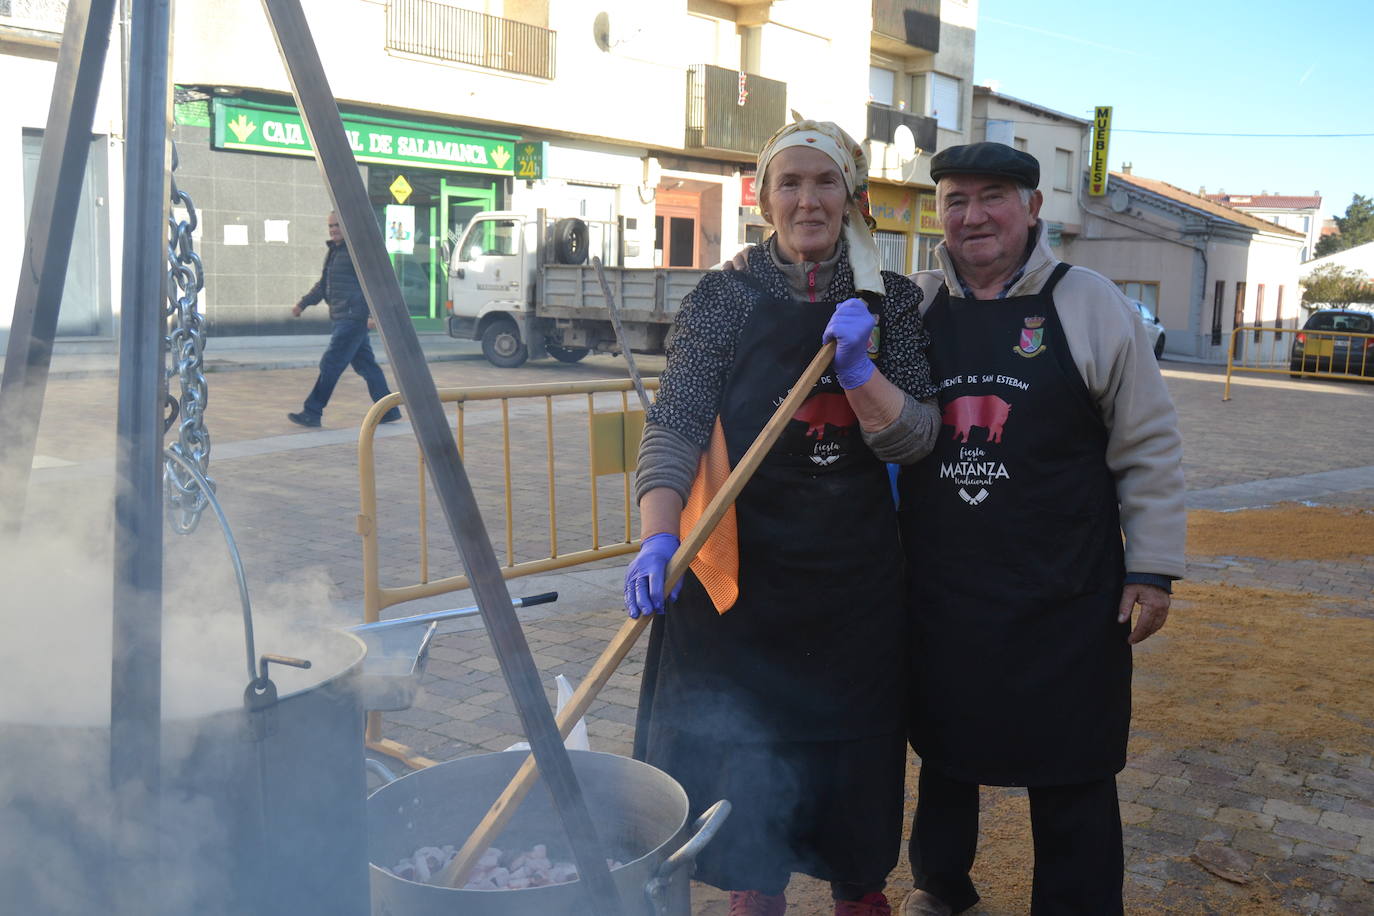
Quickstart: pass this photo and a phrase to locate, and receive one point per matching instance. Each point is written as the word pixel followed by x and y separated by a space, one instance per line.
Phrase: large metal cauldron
pixel 640 815
pixel 260 813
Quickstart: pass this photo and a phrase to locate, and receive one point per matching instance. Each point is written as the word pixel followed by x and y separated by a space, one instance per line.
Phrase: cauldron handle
pixel 704 829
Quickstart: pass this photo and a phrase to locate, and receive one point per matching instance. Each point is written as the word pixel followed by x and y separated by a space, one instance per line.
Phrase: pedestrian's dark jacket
pixel 338 286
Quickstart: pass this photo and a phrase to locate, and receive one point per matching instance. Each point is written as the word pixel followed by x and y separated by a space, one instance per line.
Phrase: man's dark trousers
pixel 348 345
pixel 1079 860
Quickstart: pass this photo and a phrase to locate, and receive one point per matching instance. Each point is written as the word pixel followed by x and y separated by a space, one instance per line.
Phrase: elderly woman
pixel 782 690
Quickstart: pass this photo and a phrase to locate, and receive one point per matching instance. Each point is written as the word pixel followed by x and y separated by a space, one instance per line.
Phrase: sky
pixel 1218 67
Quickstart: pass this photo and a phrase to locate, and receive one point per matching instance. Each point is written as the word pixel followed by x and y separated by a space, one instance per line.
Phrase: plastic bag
pixel 577 738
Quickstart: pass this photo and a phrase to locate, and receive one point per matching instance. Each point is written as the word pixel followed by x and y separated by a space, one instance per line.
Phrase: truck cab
pixel 491 275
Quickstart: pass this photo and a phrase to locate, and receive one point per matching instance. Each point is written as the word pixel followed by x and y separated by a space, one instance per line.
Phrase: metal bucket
pixel 260 812
pixel 640 814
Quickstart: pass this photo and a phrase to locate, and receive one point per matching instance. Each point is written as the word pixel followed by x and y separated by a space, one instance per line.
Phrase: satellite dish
pixel 601 31
pixel 905 143
pixel 1119 201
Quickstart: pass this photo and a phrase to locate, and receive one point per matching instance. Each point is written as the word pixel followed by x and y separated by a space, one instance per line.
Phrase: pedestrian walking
pixel 348 340
pixel 1061 438
pixel 779 684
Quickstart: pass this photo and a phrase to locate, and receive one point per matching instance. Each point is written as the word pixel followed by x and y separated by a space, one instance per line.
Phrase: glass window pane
pixel 882 86
pixel 945 100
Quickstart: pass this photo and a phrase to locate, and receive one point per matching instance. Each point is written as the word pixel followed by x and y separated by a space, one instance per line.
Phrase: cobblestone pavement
pixel 1299 817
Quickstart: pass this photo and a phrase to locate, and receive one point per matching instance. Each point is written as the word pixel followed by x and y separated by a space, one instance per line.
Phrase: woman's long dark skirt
pixel 829 809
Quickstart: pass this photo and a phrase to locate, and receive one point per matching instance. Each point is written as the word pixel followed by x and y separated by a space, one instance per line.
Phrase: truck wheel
pixel 566 354
pixel 570 241
pixel 501 345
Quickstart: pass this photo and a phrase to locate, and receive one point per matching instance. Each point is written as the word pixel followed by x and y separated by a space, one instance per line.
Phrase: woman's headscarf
pixel 848 156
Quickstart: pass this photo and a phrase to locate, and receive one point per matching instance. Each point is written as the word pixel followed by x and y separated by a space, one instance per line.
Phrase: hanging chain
pixel 185 346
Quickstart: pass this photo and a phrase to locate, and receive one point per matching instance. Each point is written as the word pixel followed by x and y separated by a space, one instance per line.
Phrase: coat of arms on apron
pixel 1031 343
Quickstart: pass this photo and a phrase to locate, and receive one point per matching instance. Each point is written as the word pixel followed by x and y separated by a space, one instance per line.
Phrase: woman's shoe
pixel 874 904
pixel 755 903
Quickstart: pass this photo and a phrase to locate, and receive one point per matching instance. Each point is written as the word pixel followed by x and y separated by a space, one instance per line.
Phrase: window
pixel 944 100
pixel 918 104
pixel 882 86
pixel 1278 310
pixel 1216 312
pixel 1020 143
pixel 1147 293
pixel 1063 170
pixel 1259 310
pixel 1238 317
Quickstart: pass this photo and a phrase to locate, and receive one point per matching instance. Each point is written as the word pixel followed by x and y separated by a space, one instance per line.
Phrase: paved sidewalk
pixel 1301 815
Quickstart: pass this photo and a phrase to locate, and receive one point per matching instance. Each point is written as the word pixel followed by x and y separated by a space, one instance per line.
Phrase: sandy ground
pixel 1234 664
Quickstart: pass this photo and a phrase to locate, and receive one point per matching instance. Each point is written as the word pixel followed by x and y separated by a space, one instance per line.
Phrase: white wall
pixel 26 106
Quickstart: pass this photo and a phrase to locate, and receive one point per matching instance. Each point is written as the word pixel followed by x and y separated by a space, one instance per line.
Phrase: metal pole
pixel 48 245
pixel 364 239
pixel 136 683
pixel 620 334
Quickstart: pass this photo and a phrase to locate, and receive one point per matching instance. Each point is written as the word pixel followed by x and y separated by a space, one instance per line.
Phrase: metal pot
pixel 259 812
pixel 640 813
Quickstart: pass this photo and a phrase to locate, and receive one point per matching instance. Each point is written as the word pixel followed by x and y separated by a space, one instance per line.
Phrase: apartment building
pixel 1298 212
pixel 642 117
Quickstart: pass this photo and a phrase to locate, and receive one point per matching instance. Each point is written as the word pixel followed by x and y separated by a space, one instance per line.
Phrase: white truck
pixel 522 285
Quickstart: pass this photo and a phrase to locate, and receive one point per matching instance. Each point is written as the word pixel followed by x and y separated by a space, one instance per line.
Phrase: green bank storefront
pixel 425 181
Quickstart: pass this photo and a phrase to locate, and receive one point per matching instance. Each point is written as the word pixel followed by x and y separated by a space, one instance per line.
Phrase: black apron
pixel 815 648
pixel 1021 673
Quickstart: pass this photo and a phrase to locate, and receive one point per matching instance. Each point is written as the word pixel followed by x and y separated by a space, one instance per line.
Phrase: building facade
pixel 1204 268
pixel 30 33
pixel 1058 141
pixel 641 117
pixel 1302 214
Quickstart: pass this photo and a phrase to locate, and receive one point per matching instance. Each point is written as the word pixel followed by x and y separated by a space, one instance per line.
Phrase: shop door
pixel 422 214
pixel 85 308
pixel 457 207
pixel 676 217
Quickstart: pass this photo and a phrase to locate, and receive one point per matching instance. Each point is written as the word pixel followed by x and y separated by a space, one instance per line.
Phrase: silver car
pixel 1153 329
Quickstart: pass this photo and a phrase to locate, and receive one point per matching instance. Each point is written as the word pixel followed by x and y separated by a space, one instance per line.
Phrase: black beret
pixel 987 159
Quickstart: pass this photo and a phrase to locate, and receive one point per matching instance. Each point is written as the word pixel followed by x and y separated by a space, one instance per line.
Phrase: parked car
pixel 1153 329
pixel 1334 352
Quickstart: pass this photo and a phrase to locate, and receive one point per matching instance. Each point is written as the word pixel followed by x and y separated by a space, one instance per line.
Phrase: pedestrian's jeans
pixel 348 345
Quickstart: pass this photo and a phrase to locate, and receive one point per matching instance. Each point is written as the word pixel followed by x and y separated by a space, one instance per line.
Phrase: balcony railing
pixel 910 22
pixel 883 123
pixel 446 32
pixel 730 110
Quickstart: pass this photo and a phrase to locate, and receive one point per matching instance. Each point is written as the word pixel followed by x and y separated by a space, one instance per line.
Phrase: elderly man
pixel 348 344
pixel 1060 437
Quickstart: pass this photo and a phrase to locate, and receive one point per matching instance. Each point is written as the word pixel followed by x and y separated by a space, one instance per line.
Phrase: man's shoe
pixel 924 903
pixel 874 904
pixel 754 903
pixel 391 416
pixel 304 419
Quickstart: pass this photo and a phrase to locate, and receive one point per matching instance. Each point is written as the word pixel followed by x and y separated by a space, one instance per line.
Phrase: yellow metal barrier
pixel 1299 353
pixel 527 472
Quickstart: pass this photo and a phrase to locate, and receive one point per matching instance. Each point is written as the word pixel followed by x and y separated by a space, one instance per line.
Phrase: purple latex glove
pixel 851 327
pixel 645 577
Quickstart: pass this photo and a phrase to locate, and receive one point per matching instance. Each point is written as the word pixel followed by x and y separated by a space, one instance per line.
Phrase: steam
pixel 63 849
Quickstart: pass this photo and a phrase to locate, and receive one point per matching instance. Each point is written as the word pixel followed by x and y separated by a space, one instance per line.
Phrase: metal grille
pixel 884 121
pixel 914 22
pixel 445 32
pixel 730 110
pixel 892 248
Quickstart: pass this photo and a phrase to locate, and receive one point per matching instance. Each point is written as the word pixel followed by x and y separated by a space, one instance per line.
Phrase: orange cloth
pixel 717 563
